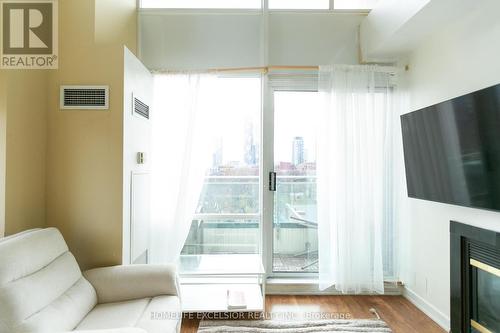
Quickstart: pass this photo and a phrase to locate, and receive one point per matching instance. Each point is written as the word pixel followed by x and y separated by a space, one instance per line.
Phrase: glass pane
pixel 224 263
pixel 227 216
pixel 354 4
pixel 299 4
pixel 227 193
pixel 248 4
pixel 222 237
pixel 232 182
pixel 488 303
pixel 295 239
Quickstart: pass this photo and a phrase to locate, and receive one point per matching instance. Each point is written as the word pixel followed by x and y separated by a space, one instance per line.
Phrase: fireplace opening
pixel 475 279
pixel 485 297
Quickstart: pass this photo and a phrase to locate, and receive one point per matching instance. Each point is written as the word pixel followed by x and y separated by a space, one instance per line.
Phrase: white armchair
pixel 43 290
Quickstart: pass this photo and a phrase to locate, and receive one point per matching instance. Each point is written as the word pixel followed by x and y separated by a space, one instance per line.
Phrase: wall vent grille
pixel 140 108
pixel 85 97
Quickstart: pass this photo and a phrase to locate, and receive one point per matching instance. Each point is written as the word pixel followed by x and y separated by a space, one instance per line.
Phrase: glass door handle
pixel 272 181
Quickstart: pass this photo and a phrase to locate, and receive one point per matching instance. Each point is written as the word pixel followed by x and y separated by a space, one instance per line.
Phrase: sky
pixel 235 102
pixel 295 114
pixel 229 107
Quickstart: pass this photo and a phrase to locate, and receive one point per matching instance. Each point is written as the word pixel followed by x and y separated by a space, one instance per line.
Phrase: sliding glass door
pixel 257 129
pixel 295 238
pixel 259 195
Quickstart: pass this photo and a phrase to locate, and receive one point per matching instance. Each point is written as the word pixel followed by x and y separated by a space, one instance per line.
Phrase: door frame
pixel 296 84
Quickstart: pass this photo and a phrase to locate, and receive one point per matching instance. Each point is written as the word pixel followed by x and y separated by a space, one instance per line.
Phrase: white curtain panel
pixel 354 184
pixel 180 157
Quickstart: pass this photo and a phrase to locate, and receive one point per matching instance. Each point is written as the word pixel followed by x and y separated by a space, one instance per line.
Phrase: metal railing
pixel 288 180
pixel 226 233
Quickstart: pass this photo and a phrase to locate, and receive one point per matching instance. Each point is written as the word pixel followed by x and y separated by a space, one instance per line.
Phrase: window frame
pixel 264 7
pixel 275 82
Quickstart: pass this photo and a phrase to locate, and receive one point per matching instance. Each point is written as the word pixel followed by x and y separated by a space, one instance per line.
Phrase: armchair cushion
pixel 122 283
pixel 112 315
pixel 41 285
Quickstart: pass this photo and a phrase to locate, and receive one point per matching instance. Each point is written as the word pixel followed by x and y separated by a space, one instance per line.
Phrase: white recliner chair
pixel 42 289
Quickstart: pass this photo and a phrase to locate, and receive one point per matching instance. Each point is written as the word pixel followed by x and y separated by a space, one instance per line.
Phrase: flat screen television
pixel 452 150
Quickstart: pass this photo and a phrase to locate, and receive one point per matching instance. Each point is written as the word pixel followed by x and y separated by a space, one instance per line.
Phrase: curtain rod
pixel 261 69
pixel 267 69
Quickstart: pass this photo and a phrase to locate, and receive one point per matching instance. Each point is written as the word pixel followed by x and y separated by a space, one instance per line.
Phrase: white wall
pixel 137 82
pixel 396 27
pixel 461 58
pixel 191 41
pixel 208 40
pixel 313 38
pixel 384 22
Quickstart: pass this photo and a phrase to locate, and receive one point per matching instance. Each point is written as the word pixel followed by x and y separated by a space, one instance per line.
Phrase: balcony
pixel 228 221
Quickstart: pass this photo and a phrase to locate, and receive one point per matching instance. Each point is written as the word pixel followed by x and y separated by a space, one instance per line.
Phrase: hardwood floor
pixel 396 311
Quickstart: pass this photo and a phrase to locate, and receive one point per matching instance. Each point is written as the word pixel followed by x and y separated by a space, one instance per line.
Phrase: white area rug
pixel 270 326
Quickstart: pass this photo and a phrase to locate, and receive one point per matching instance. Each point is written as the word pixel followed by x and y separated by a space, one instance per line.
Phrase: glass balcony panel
pixel 222 237
pixel 295 229
pixel 230 195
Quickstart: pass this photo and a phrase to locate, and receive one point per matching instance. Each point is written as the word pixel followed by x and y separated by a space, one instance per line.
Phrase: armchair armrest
pixel 120 283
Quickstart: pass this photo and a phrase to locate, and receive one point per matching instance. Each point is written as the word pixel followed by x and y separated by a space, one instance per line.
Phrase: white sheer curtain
pixel 180 157
pixel 354 184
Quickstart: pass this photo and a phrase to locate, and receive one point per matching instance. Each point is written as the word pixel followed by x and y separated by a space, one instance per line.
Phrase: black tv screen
pixel 452 150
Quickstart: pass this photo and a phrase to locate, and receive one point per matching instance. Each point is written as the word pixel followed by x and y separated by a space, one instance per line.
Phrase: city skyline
pixel 250 162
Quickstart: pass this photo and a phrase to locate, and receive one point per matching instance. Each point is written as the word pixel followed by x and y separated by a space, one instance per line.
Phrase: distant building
pixel 285 166
pixel 250 151
pixel 298 150
pixel 251 155
pixel 238 170
pixel 217 155
pixel 307 167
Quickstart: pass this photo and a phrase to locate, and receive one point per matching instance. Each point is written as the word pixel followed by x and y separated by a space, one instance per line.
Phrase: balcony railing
pixel 228 220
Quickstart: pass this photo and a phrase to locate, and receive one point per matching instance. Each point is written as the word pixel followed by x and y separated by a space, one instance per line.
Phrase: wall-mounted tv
pixel 452 150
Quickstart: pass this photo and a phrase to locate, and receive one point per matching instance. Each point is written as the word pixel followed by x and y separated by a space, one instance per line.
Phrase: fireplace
pixel 475 279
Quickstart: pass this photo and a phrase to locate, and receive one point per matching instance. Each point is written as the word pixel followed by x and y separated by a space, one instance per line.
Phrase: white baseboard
pixel 430 310
pixel 299 286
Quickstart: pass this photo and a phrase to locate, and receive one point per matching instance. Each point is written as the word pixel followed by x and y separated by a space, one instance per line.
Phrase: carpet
pixel 270 326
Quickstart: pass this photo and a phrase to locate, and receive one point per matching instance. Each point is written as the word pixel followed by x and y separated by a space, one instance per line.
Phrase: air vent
pixel 140 108
pixel 85 97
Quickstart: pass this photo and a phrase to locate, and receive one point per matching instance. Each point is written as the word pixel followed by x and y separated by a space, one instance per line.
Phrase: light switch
pixel 140 158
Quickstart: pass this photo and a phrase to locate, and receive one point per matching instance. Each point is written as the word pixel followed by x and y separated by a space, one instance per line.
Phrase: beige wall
pixel 23 100
pixel 64 168
pixel 3 130
pixel 26 147
pixel 84 159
